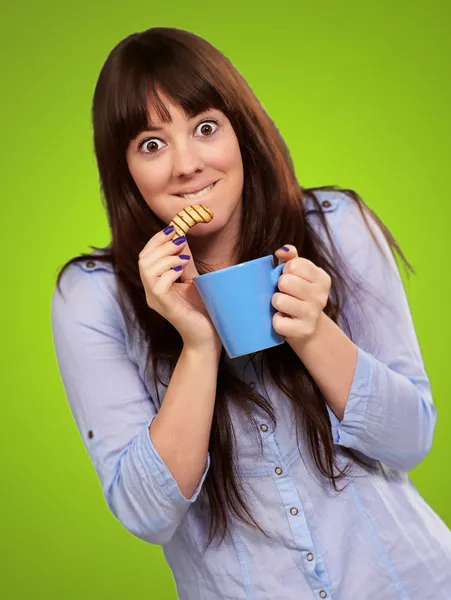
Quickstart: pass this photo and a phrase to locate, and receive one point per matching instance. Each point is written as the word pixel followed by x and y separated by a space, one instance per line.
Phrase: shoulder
pixel 354 227
pixel 87 288
pixel 341 211
pixel 96 262
pixel 93 266
pixel 323 201
pixel 325 207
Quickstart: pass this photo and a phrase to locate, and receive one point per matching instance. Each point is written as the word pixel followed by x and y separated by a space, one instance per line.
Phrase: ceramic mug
pixel 238 301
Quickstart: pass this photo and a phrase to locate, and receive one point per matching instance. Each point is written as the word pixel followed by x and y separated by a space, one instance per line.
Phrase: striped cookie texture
pixel 190 216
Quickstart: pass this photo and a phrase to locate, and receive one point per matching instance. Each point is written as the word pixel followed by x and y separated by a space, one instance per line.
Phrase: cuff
pixel 354 418
pixel 155 467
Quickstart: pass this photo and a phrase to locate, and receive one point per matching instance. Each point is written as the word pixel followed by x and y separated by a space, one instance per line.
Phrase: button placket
pixel 313 564
pixel 297 521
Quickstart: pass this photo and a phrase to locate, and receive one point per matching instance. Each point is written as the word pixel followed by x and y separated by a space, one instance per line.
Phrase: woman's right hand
pixel 179 303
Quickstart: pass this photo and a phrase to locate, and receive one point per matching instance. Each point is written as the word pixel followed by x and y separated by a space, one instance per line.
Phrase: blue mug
pixel 238 301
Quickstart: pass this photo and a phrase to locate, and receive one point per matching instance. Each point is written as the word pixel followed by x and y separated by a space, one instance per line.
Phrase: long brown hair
pixel 197 76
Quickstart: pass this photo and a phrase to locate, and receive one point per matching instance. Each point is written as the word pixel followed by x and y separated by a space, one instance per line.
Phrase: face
pixel 187 155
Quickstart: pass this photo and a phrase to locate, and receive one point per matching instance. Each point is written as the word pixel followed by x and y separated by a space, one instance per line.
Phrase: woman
pixel 233 466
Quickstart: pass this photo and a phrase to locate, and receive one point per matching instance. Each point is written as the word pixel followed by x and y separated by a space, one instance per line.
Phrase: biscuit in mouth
pixel 190 216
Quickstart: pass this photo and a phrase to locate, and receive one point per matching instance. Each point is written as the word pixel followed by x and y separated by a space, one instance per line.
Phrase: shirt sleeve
pixel 113 409
pixel 389 415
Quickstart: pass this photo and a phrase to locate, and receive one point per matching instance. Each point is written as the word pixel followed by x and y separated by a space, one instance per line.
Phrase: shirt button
pixel 252 384
pixel 310 557
pixel 264 427
pixel 278 471
pixel 326 204
pixel 90 434
pixel 323 594
pixel 294 511
pixel 90 264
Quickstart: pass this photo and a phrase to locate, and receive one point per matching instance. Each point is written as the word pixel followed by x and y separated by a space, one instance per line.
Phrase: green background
pixel 361 93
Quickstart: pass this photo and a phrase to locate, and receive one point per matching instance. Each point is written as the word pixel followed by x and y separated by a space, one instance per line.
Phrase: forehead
pixel 163 109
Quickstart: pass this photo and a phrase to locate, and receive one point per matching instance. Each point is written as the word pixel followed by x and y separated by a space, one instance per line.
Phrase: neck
pixel 214 250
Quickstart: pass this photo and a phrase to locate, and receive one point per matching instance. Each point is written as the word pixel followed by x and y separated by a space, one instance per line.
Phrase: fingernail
pixel 184 256
pixel 179 268
pixel 168 230
pixel 284 248
pixel 179 240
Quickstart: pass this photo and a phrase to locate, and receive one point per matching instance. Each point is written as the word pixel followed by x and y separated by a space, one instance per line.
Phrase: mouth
pixel 199 194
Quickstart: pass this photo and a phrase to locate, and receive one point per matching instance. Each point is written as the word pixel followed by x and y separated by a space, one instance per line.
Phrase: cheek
pixel 149 175
pixel 226 156
pixel 237 172
pixel 236 159
pixel 152 184
pixel 150 181
pixel 237 166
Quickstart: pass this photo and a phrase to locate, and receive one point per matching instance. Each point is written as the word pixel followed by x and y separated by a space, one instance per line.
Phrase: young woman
pixel 234 466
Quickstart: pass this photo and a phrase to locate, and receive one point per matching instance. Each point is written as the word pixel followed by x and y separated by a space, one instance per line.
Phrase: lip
pixel 198 189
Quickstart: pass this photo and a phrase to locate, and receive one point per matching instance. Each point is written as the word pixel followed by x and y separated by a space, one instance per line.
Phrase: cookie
pixel 190 216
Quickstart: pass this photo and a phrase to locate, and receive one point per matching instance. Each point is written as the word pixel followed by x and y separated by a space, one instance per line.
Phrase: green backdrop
pixel 361 93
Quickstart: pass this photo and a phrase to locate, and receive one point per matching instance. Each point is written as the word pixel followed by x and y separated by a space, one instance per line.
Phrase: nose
pixel 186 160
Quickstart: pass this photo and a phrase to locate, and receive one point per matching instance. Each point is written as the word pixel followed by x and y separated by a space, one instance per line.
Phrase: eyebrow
pixel 161 127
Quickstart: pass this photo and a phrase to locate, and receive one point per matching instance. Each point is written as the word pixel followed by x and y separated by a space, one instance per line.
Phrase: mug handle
pixel 275 274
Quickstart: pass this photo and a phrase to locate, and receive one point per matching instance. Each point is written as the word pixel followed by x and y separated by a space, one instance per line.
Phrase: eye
pixel 209 121
pixel 148 143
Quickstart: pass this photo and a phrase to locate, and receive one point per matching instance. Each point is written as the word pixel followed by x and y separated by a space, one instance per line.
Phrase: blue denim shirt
pixel 376 540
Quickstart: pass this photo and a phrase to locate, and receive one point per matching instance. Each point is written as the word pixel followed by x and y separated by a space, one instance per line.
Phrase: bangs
pixel 187 83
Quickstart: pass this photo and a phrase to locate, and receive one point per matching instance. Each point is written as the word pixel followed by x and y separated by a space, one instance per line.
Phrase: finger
pixel 157 240
pixel 304 268
pixel 170 248
pixel 286 253
pixel 163 285
pixel 156 268
pixel 189 269
pixel 289 306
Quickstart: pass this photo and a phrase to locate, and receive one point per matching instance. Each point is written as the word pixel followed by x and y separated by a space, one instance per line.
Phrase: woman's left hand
pixel 304 291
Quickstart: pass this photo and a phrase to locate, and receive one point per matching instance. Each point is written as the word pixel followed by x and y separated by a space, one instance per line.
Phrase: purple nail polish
pixel 179 240
pixel 184 256
pixel 179 268
pixel 168 230
pixel 284 248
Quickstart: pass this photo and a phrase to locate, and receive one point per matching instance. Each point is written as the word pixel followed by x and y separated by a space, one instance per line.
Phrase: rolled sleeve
pixel 389 415
pixel 112 407
pixel 161 473
pixel 352 427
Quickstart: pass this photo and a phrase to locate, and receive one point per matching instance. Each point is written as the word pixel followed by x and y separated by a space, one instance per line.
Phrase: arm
pixel 378 393
pixel 330 357
pixel 113 409
pixel 181 430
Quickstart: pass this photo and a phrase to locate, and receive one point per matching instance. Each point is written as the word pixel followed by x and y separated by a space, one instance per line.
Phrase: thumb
pixel 189 270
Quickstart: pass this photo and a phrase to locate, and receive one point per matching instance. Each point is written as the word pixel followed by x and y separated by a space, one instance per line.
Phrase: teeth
pixel 197 194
